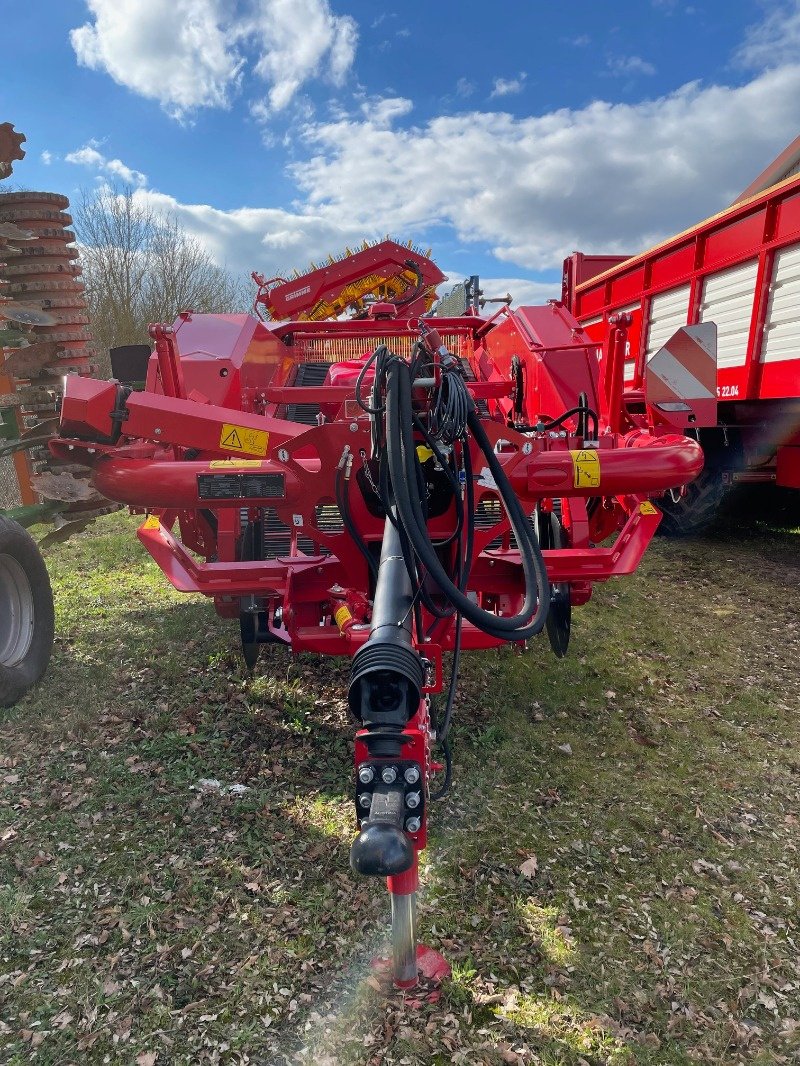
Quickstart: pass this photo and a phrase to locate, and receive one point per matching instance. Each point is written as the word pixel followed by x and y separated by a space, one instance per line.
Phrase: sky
pixel 502 135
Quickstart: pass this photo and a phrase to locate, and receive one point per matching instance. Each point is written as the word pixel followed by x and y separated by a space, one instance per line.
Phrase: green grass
pixel 140 915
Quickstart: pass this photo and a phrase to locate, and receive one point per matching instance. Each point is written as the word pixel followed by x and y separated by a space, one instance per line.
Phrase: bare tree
pixel 140 266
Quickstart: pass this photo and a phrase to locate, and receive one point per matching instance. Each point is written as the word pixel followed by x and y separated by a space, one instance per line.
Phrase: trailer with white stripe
pixel 741 270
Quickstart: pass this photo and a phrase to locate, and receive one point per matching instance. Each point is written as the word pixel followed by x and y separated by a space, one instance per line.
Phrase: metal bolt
pixel 412 800
pixel 388 775
pixel 527 448
pixel 283 455
pixel 354 427
pixel 412 775
pixel 365 799
pixel 365 774
pixel 157 432
pixel 413 824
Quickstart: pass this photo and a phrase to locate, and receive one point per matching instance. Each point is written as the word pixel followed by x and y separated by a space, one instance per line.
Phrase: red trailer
pixel 740 269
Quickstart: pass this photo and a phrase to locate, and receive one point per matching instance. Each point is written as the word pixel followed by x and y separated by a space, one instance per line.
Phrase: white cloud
pixel 508 86
pixel 271 240
pixel 295 37
pixel 174 51
pixel 383 111
pixel 46 157
pixel 465 87
pixel 188 54
pixel 621 66
pixel 774 41
pixel 536 188
pixel 90 156
pixel 531 188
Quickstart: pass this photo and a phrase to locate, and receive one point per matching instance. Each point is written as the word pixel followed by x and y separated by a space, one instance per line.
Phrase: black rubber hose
pixel 401 454
pixel 344 509
pixel 444 788
pixel 443 727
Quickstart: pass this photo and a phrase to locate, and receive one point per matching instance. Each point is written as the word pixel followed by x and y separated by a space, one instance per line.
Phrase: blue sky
pixel 504 135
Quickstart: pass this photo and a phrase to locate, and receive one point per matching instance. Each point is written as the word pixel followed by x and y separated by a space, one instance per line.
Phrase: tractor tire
pixel 26 613
pixel 695 512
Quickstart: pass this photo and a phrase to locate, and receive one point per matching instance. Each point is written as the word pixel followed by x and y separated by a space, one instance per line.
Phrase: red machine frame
pixel 282 522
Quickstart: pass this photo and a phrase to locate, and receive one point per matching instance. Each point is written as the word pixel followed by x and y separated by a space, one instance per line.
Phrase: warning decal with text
pixel 241 439
pixel 585 469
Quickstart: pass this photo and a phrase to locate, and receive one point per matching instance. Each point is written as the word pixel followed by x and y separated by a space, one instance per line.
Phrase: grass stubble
pixel 653 776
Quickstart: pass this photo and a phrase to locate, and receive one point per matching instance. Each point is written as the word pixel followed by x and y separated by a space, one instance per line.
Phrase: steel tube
pixel 404 939
pixel 644 466
pixel 166 483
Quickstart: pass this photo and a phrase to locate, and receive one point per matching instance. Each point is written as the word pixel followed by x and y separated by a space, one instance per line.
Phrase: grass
pixel 654 774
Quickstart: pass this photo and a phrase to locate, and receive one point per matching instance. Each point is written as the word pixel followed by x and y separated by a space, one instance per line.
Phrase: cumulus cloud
pixel 189 54
pixel 384 110
pixel 295 37
pixel 535 188
pixel 271 240
pixel 508 86
pixel 90 156
pixel 174 51
pixel 276 242
pixel 46 157
pixel 774 41
pixel 532 189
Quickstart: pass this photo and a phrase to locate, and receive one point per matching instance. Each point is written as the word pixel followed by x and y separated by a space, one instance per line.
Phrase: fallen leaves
pixel 529 867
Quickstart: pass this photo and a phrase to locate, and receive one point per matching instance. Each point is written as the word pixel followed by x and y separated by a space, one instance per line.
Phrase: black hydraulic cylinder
pixel 387 674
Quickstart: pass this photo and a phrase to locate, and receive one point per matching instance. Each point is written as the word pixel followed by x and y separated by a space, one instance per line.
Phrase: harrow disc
pixel 26 314
pixel 51 200
pixel 43 301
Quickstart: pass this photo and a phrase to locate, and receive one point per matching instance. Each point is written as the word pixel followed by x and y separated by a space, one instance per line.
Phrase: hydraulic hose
pixel 402 459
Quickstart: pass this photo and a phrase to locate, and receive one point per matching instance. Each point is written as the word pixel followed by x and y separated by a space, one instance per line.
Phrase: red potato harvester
pixel 390 487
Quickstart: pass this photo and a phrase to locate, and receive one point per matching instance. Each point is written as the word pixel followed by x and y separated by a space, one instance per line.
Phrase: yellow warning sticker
pixel 585 469
pixel 647 508
pixel 424 453
pixel 235 464
pixel 151 522
pixel 241 439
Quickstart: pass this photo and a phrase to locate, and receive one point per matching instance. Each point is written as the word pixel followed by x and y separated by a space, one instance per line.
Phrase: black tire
pixel 695 512
pixel 27 621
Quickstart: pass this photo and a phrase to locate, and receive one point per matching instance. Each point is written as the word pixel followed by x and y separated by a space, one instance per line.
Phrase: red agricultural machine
pixel 391 486
pixel 741 270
